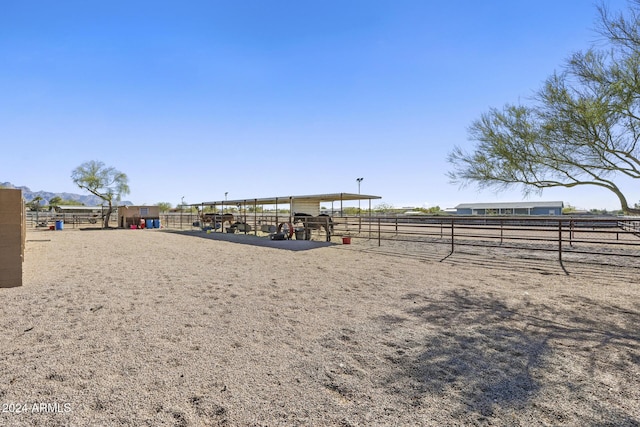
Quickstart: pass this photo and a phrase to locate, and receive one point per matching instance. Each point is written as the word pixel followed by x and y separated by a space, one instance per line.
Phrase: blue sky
pixel 274 98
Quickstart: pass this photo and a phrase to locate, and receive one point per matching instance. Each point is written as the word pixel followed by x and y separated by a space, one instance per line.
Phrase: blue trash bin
pixel 59 225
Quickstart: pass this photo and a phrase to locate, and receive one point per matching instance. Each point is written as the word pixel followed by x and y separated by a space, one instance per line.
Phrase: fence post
pixel 560 240
pixel 379 232
pixel 570 232
pixel 501 232
pixel 452 234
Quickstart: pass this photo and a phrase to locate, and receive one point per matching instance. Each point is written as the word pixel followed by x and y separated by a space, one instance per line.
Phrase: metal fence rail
pixel 73 220
pixel 608 236
pixel 563 235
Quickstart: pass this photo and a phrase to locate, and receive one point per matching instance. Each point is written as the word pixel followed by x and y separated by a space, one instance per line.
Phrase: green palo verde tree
pixel 105 182
pixel 582 127
pixel 164 206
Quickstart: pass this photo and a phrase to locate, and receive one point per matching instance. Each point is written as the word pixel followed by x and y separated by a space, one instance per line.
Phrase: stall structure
pixel 78 214
pixel 511 208
pixel 12 237
pixel 135 217
pixel 276 215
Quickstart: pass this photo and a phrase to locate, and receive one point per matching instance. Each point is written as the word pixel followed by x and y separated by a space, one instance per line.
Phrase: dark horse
pixel 215 218
pixel 310 222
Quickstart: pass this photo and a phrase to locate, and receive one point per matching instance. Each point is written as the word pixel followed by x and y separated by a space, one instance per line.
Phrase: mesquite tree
pixel 582 127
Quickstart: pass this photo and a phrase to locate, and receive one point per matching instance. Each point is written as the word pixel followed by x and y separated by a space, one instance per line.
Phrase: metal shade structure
pixel 319 198
pixel 302 200
pixel 308 204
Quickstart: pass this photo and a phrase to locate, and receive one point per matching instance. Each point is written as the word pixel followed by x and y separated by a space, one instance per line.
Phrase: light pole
pixel 359 181
pixel 359 213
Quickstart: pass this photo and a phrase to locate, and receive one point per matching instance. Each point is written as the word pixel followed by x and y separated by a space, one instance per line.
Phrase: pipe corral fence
pixel 559 235
pixel 602 236
pixel 74 220
pixel 177 220
pixel 563 235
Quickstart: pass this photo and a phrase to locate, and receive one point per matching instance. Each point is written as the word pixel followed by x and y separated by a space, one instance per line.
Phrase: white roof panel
pixel 329 197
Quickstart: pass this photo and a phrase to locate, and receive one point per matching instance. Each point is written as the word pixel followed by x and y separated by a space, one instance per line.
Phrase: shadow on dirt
pixel 625 269
pixel 250 239
pixel 486 357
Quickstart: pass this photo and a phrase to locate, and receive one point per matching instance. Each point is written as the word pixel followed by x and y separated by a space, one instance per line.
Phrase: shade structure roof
pixel 320 198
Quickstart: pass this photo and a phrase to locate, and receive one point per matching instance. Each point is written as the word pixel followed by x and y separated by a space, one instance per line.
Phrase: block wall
pixel 12 237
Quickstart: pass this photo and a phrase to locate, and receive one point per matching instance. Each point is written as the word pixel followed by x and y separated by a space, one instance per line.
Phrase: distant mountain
pixel 82 199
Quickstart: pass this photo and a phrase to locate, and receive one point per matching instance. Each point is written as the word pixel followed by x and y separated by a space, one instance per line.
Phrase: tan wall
pixel 133 214
pixel 12 237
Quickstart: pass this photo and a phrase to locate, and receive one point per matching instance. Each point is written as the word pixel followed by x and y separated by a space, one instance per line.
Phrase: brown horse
pixel 216 218
pixel 310 222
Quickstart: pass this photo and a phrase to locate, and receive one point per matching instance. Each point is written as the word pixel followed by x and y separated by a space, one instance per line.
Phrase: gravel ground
pixel 148 327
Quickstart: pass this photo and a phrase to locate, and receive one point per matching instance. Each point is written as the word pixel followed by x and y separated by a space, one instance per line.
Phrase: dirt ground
pixel 149 327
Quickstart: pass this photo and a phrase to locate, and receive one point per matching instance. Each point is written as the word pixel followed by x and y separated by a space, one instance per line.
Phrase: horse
pixel 310 222
pixel 217 218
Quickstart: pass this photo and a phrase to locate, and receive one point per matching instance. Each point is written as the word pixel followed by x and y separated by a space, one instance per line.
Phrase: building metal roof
pixel 510 205
pixel 78 208
pixel 320 198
